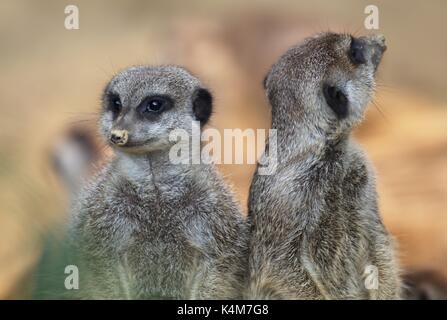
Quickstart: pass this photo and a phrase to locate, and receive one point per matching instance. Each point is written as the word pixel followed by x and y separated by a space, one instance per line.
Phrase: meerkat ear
pixel 336 100
pixel 202 105
pixel 264 82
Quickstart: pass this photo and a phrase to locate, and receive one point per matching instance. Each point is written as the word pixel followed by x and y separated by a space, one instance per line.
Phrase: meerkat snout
pixel 380 39
pixel 119 137
pixel 378 42
pixel 372 46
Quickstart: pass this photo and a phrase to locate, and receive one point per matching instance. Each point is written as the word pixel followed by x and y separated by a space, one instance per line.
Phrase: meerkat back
pixel 148 226
pixel 316 229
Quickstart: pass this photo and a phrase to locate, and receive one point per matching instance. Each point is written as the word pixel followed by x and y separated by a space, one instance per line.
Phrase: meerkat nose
pixel 119 137
pixel 380 38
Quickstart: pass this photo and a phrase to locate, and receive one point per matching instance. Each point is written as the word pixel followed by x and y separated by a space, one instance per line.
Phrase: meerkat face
pixel 328 80
pixel 142 105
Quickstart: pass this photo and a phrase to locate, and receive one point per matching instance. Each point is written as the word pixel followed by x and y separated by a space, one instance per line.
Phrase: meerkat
pixel 316 228
pixel 145 227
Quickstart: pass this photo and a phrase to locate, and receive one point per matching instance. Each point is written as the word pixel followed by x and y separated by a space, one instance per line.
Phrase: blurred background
pixel 51 81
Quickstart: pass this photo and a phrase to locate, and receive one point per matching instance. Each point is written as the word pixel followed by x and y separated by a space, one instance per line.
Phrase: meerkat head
pixel 326 82
pixel 142 105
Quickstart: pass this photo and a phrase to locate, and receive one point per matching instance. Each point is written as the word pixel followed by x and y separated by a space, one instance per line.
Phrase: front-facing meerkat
pixel 146 227
pixel 316 228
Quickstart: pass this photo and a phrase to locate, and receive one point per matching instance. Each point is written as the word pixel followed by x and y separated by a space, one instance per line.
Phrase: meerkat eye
pixel 336 100
pixel 357 52
pixel 114 104
pixel 154 105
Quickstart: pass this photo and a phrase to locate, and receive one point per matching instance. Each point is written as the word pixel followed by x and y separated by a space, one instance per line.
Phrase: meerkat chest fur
pixel 142 221
pixel 308 188
pixel 308 215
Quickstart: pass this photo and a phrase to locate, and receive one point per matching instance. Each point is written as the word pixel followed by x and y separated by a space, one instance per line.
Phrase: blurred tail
pixel 73 156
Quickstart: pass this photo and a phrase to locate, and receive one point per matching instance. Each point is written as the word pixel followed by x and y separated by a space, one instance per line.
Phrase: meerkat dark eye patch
pixel 114 104
pixel 357 52
pixel 202 105
pixel 154 105
pixel 336 100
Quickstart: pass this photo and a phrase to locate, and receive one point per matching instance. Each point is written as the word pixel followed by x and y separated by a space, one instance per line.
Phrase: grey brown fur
pixel 315 222
pixel 147 228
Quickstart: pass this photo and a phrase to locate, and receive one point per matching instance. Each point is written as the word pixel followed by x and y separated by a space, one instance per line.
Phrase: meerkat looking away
pixel 316 228
pixel 145 227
